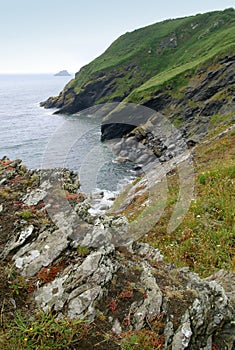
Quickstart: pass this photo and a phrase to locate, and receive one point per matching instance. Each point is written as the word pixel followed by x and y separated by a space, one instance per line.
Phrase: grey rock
pixel 147 252
pixel 18 240
pixel 83 208
pixel 41 252
pixel 34 197
pixel 52 295
pixel 62 73
pixel 79 286
pixel 84 303
pixel 168 333
pixel 117 328
pixel 182 338
pixel 2 181
pixel 152 304
pixel 122 159
pixel 205 307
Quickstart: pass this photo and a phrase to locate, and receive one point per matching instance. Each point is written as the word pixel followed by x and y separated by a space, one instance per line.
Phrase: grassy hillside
pixel 191 40
pixel 139 62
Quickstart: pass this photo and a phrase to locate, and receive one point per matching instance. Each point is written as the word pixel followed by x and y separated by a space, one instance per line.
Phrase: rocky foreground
pixel 87 267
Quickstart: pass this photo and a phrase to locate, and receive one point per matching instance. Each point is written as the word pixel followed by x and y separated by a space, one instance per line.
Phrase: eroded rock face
pixel 88 270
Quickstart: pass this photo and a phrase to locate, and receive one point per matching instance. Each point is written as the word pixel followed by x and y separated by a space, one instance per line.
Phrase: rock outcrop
pixel 83 266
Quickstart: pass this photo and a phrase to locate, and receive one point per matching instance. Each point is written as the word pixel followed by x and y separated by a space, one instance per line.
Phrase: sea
pixel 42 139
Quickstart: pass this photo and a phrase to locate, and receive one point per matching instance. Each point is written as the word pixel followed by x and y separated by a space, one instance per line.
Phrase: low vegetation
pixel 205 239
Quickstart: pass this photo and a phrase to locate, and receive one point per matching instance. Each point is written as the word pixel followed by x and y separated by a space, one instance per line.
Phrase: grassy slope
pixel 205 239
pixel 144 64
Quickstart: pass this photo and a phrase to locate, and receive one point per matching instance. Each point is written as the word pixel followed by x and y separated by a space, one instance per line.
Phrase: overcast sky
pixel 51 35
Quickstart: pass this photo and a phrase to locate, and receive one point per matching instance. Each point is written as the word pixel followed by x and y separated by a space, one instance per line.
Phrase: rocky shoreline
pixel 83 266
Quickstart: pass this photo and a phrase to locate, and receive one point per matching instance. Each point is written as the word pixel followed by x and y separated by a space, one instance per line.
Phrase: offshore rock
pixel 62 73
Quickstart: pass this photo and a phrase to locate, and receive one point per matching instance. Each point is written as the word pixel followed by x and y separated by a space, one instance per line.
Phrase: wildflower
pixel 31 329
pixel 25 340
pixel 113 305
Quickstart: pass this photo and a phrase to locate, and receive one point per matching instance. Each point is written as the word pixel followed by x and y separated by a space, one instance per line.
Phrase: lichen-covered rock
pixel 83 266
pixel 34 197
pixel 182 338
pixel 76 290
pixel 151 307
pixel 18 240
pixel 41 252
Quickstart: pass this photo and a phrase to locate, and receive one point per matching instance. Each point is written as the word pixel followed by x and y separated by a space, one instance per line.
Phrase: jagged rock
pixel 108 230
pixel 168 42
pixel 41 252
pixel 34 197
pixel 182 338
pixel 151 306
pixel 82 209
pixel 18 240
pixel 79 286
pixel 106 271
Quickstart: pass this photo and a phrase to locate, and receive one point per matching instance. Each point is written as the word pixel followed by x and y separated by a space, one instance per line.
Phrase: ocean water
pixel 39 138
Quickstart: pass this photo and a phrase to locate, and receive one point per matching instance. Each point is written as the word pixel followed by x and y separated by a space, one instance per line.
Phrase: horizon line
pixel 29 73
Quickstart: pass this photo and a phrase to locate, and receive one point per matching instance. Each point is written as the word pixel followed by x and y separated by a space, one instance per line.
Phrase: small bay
pixel 26 129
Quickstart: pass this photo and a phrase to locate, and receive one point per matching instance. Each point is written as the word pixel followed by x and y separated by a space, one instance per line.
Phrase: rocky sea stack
pixel 63 73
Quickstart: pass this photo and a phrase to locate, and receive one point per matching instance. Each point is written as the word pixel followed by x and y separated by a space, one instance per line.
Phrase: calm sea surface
pixel 39 138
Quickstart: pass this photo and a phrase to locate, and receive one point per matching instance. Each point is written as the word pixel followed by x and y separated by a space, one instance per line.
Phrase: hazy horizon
pixel 49 36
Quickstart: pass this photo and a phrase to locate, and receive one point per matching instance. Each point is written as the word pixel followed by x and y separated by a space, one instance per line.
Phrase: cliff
pixel 182 67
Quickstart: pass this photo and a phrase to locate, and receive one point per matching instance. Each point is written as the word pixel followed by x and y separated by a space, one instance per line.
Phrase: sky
pixel 51 35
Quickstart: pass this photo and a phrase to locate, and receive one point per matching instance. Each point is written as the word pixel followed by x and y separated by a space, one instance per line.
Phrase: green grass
pixel 205 239
pixel 136 61
pixel 42 331
pixel 178 76
pixel 25 214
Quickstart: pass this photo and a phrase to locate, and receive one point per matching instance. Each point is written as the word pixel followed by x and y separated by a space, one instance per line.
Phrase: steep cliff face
pixel 182 67
pixel 204 101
